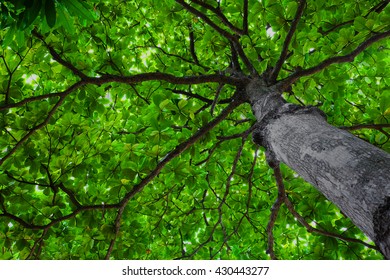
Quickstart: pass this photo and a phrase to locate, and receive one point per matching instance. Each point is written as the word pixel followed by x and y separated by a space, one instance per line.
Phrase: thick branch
pixel 285 83
pixel 290 34
pixel 154 76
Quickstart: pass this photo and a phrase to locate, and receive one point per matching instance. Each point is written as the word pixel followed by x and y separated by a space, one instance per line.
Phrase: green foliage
pixel 18 17
pixel 101 142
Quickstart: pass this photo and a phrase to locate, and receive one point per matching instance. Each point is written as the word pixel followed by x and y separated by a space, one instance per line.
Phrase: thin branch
pixel 70 194
pixel 44 96
pixel 217 11
pixel 59 59
pixel 38 242
pixel 275 210
pixel 196 62
pixel 285 83
pixel 192 47
pixel 204 17
pixel 23 181
pixel 192 95
pixel 378 8
pixel 235 136
pixel 33 130
pixel 290 34
pixel 139 95
pixel 244 58
pixel 58 220
pixel 245 18
pixel 368 126
pixel 215 101
pixel 228 184
pixel 309 228
pixel 234 63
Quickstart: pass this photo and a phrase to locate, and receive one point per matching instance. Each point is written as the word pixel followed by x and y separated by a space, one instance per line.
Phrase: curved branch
pixel 290 34
pixel 44 96
pixel 322 232
pixel 285 83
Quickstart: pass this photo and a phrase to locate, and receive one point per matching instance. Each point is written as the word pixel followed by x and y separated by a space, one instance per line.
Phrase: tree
pixel 126 129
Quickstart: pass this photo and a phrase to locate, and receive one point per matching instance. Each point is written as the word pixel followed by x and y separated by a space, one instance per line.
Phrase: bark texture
pixel 350 172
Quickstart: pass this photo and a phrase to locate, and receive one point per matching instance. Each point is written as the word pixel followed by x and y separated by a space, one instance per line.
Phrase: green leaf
pixel 79 8
pixel 50 12
pixel 30 13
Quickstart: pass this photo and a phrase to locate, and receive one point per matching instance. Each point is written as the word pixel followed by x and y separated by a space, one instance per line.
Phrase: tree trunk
pixel 350 172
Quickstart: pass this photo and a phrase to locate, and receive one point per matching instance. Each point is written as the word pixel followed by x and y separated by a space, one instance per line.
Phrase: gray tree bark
pixel 351 173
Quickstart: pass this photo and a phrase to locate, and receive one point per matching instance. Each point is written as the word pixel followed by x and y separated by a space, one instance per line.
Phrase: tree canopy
pixel 124 133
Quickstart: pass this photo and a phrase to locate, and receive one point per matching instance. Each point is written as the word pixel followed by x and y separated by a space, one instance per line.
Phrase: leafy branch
pixel 168 157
